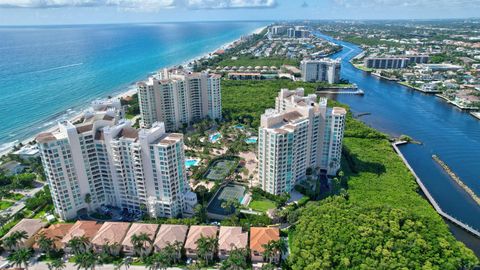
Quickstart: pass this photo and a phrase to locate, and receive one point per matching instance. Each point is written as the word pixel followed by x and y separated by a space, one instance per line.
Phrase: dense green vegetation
pixel 382 222
pixel 379 222
pixel 133 106
pixel 245 101
pixel 259 61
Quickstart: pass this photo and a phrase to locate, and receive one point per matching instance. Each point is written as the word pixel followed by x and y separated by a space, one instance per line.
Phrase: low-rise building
pixel 81 228
pixel 30 227
pixel 259 237
pixel 195 233
pixel 111 233
pixel 231 238
pixel 55 232
pixel 137 229
pixel 171 235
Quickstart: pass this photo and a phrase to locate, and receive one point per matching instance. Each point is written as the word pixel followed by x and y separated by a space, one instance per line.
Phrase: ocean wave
pixel 56 68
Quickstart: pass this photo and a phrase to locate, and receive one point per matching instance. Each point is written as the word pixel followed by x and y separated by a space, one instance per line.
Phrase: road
pixel 19 205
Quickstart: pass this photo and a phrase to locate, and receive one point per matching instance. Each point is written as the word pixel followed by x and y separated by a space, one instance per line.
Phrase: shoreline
pixel 123 91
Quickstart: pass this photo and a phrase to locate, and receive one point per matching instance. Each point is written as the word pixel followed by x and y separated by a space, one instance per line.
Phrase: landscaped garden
pixel 262 205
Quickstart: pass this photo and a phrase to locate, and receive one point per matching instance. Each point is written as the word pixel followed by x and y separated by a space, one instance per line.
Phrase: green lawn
pixel 4 205
pixel 262 205
pixel 14 196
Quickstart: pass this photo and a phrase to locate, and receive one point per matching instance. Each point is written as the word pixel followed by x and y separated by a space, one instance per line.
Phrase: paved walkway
pixel 19 205
pixel 71 266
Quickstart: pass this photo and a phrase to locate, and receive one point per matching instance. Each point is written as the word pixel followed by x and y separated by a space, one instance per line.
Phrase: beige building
pixel 137 229
pixel 31 227
pixel 231 238
pixel 55 232
pixel 81 228
pixel 111 233
pixel 195 233
pixel 170 234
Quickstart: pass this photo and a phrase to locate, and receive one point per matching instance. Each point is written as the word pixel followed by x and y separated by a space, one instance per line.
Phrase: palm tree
pixel 206 247
pixel 141 244
pixel 78 244
pixel 170 252
pixel 87 260
pixel 117 265
pixel 45 244
pixel 88 200
pixel 21 257
pixel 269 251
pixel 236 260
pixel 178 246
pixel 57 264
pixel 12 241
pixel 127 262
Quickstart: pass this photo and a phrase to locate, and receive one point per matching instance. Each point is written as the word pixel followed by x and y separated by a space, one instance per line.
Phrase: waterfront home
pixel 81 228
pixel 55 232
pixel 260 237
pixel 169 235
pixel 195 233
pixel 111 233
pixel 231 238
pixel 31 227
pixel 138 229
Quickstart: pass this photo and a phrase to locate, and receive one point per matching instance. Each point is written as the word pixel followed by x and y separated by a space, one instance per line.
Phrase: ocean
pixel 52 72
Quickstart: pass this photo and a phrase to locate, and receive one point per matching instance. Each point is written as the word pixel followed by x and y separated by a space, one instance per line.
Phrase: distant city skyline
pixel 34 12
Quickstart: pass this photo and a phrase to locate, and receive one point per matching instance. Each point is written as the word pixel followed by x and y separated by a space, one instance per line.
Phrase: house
pixel 137 229
pixel 55 232
pixel 169 234
pixel 31 227
pixel 231 238
pixel 81 228
pixel 195 233
pixel 260 237
pixel 111 233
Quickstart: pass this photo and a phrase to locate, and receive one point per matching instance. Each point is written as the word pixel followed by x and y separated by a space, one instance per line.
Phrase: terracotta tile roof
pixel 55 232
pixel 84 128
pixel 231 237
pixel 169 234
pixel 111 232
pixel 82 228
pixel 138 228
pixel 30 226
pixel 261 236
pixel 198 231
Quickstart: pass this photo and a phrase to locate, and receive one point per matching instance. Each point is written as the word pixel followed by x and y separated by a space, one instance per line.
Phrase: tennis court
pixel 221 169
pixel 224 194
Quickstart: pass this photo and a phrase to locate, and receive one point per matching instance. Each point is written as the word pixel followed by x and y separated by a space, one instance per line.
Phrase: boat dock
pixel 430 197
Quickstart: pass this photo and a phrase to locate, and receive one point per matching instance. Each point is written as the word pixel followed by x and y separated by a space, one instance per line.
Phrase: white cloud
pixel 408 3
pixel 141 4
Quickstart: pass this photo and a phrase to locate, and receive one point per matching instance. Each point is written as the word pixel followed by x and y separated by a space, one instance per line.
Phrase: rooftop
pixel 55 232
pixel 231 237
pixel 260 236
pixel 169 234
pixel 137 229
pixel 30 226
pixel 111 232
pixel 196 232
pixel 82 228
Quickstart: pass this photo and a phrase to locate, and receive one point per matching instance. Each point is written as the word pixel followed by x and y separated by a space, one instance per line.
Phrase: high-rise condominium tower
pixel 320 70
pixel 299 133
pixel 177 98
pixel 102 160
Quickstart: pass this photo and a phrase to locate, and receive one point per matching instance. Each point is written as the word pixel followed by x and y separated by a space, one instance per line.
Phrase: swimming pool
pixel 191 162
pixel 238 126
pixel 251 140
pixel 214 137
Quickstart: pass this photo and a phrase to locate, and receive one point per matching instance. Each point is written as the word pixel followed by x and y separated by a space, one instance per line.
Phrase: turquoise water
pixel 52 72
pixel 251 140
pixel 239 126
pixel 214 137
pixel 191 162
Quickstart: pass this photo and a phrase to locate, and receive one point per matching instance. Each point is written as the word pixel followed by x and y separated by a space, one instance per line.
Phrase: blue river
pixel 442 129
pixel 49 72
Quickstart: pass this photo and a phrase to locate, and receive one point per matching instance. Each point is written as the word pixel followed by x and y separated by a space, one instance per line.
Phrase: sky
pixel 36 12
